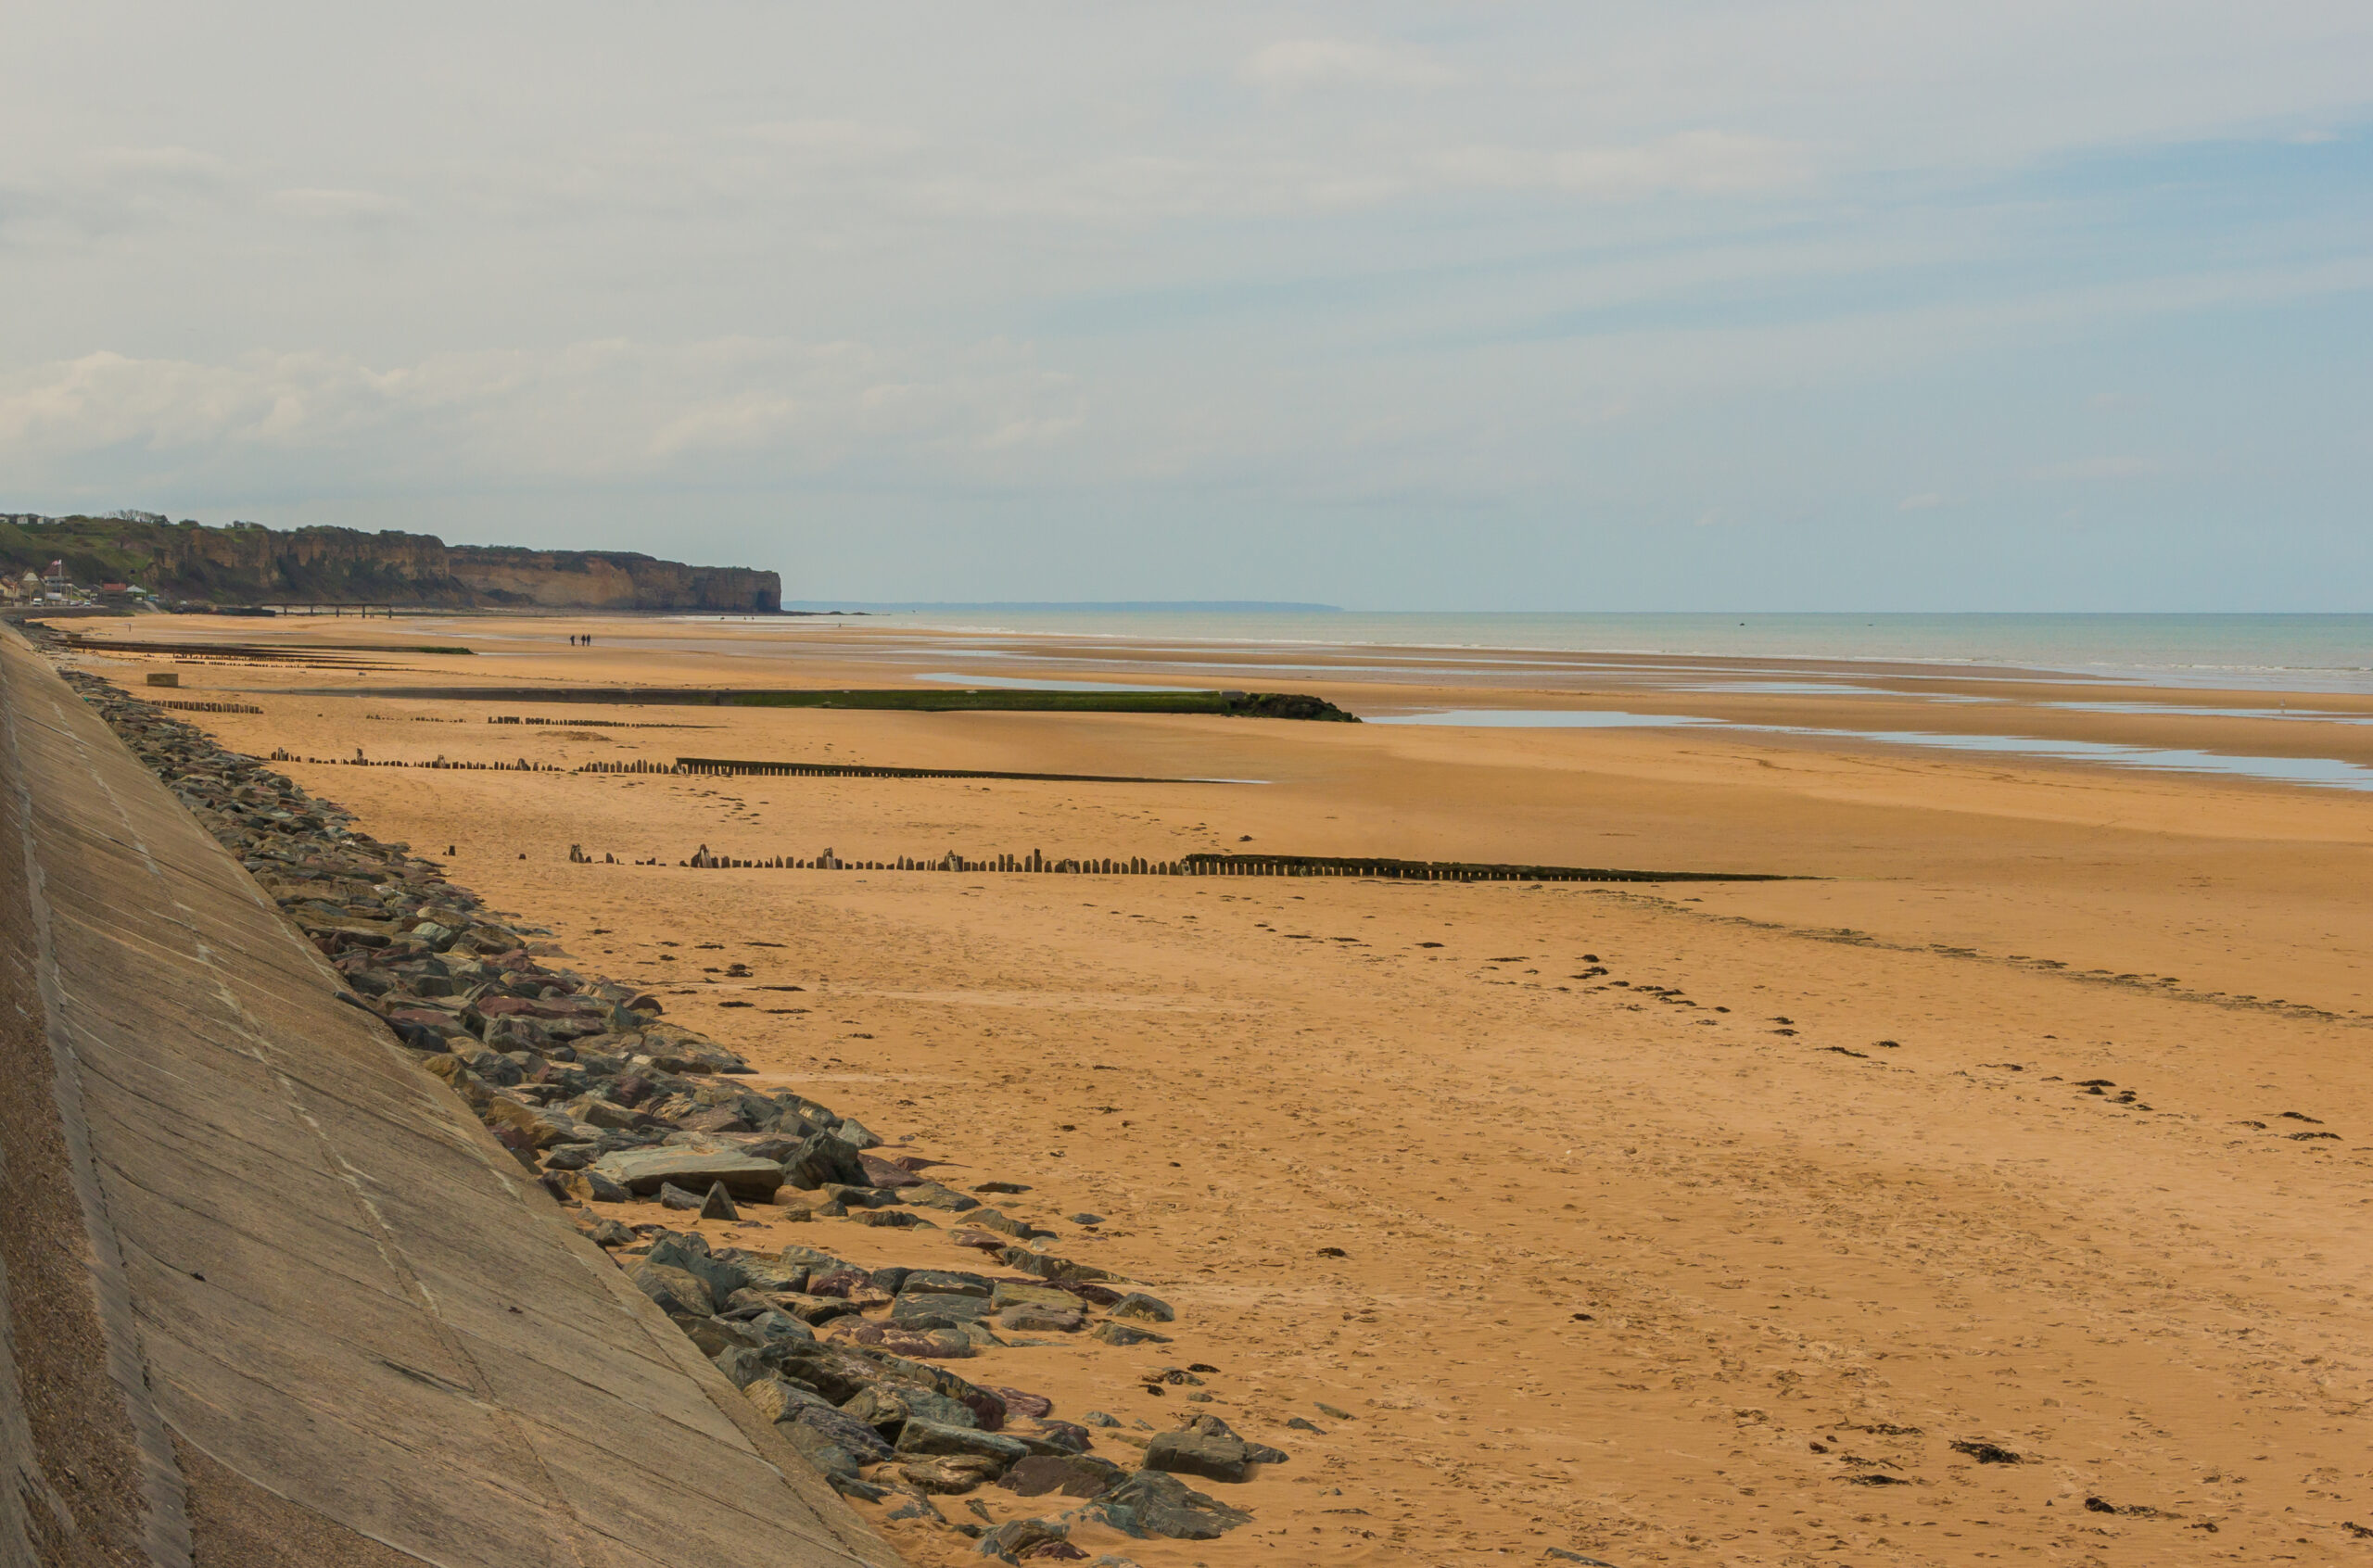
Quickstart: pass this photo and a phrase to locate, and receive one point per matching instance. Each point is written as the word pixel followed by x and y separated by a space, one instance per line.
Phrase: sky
pixel 1637 304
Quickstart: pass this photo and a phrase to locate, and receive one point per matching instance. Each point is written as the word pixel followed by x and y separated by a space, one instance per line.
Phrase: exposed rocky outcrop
pixel 253 565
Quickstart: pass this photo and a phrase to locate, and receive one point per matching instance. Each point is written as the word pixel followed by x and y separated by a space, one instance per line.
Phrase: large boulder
pixel 1072 1475
pixel 949 1282
pixel 722 1277
pixel 1152 1503
pixel 673 1288
pixel 927 1310
pixel 1046 1267
pixel 931 1437
pixel 644 1170
pixel 845 1431
pixel 887 1406
pixel 1188 1453
pixel 824 1159
pixel 1010 1541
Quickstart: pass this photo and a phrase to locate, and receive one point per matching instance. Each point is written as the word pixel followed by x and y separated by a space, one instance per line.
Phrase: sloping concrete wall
pixel 272 1296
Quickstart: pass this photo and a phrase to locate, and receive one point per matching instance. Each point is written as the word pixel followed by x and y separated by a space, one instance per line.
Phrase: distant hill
pixel 248 564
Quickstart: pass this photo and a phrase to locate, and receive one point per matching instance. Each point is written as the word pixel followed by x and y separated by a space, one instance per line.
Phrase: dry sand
pixel 1713 1256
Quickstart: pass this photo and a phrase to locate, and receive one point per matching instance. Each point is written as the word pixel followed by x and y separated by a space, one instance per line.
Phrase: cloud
pixel 169 164
pixel 834 139
pixel 594 410
pixel 1702 162
pixel 1292 63
pixel 1927 500
pixel 311 202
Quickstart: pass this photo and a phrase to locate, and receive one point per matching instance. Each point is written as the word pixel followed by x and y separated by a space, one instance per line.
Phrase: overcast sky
pixel 1808 304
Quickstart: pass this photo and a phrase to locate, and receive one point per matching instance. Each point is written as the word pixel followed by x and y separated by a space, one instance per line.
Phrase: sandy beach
pixel 1993 1189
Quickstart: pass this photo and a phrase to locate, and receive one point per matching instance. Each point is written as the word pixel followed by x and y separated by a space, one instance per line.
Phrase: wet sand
pixel 1684 1224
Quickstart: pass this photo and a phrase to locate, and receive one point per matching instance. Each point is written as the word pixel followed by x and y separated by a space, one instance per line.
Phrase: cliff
pixel 253 565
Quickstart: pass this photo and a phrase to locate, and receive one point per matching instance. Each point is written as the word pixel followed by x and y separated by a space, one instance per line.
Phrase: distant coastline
pixel 2301 651
pixel 1201 606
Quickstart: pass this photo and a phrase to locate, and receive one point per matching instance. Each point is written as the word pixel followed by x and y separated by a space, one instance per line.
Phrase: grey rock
pixel 931 1437
pixel 775 1327
pixel 845 1431
pixel 930 1195
pixel 947 1473
pixel 722 1276
pixel 1021 1260
pixel 948 1282
pixel 712 1335
pixel 673 1288
pixel 718 1205
pixel 1112 1332
pixel 887 1406
pixel 1152 1504
pixel 772 1274
pixel 820 1451
pixel 893 1219
pixel 1007 1541
pixel 674 1197
pixel 1212 1426
pixel 1186 1453
pixel 1071 1476
pixel 861 1197
pixel 820 1159
pixel 816 1309
pixel 1013 1292
pixel 1146 1308
pixel 1031 1317
pixel 815 1260
pixel 856 1135
pixel 644 1170
pixel 916 1309
pixel 742 1365
pixel 860 1488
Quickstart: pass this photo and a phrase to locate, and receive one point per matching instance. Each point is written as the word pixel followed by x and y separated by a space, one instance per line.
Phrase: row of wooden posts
pixel 1037 862
pixel 522 765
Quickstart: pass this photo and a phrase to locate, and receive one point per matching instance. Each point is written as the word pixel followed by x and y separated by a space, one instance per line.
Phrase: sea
pixel 2287 652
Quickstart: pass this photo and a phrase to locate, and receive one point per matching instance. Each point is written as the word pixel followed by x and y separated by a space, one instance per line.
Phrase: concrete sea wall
pixel 269 1295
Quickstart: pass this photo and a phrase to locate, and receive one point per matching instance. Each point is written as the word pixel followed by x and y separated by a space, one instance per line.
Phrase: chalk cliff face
pixel 345 565
pixel 591 579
